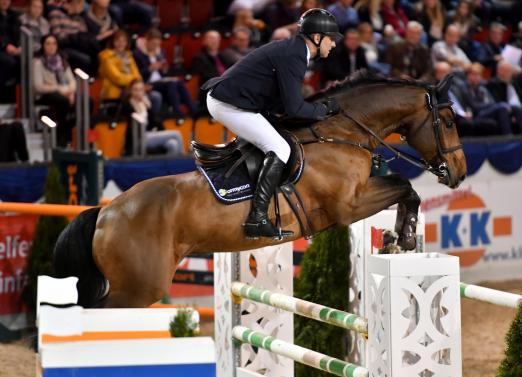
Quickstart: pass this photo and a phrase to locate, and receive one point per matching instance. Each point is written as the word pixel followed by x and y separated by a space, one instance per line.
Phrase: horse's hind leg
pixel 139 271
pixel 382 192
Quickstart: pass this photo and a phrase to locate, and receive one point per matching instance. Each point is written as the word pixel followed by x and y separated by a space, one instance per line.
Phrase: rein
pixel 433 108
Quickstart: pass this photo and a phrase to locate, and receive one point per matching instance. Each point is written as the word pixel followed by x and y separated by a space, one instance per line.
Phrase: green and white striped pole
pixel 491 296
pixel 302 355
pixel 301 307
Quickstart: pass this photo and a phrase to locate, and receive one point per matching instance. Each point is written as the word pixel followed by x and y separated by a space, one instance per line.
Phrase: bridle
pixel 441 169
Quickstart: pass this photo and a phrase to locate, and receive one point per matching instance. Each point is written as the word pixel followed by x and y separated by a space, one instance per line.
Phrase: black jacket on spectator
pixel 13 145
pixel 204 66
pixel 269 79
pixel 473 98
pixel 338 66
pixel 414 61
pixel 488 55
pixel 498 89
pixel 143 62
pixel 9 29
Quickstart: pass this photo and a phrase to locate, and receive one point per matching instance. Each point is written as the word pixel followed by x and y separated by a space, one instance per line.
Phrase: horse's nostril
pixel 462 177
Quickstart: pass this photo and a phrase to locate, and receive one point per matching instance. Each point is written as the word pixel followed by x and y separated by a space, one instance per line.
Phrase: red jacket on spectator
pixel 396 17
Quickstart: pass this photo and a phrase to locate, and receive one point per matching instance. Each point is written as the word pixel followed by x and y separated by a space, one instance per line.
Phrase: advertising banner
pixel 16 236
pixel 476 222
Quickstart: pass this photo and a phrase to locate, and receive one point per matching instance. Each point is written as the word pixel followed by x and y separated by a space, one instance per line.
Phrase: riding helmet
pixel 319 21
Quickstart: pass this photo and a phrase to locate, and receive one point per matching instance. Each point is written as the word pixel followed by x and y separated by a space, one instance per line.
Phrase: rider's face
pixel 326 46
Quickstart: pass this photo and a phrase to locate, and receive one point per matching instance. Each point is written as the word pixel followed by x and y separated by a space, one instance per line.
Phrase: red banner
pixel 16 236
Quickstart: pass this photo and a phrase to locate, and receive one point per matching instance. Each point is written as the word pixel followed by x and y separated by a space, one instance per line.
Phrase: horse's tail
pixel 73 257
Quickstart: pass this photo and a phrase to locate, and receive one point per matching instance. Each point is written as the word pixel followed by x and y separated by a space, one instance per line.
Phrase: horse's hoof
pixel 407 242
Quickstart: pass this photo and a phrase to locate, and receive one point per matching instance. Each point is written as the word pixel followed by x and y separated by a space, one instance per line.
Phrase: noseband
pixel 434 107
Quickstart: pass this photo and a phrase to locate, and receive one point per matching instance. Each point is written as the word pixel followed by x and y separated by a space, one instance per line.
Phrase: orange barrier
pixel 204 313
pixel 106 335
pixel 42 209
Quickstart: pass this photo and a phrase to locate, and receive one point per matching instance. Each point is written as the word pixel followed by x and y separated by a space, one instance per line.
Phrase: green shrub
pixel 323 280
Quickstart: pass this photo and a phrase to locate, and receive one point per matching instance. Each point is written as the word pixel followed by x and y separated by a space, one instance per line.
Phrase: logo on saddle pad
pixel 224 192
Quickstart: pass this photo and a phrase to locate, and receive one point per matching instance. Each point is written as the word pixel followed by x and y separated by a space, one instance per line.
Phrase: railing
pixel 82 110
pixel 139 139
pixel 49 136
pixel 27 82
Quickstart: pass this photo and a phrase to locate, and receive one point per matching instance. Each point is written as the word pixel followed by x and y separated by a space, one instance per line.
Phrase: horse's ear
pixel 443 88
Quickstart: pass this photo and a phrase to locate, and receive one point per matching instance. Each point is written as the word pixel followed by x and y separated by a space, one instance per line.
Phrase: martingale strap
pixel 296 203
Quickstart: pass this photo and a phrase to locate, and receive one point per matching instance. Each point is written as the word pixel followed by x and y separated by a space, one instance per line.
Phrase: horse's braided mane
pixel 361 78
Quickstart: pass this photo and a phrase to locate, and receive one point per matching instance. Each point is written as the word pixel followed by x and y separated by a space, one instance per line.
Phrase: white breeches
pixel 253 127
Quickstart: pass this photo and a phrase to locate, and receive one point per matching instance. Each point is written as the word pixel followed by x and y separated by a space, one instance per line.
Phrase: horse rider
pixel 269 80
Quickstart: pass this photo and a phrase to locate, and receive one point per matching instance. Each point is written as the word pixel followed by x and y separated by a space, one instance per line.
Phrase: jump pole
pixel 302 307
pixel 300 354
pixel 492 296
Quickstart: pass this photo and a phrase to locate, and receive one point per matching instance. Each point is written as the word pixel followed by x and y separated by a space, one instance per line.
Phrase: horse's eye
pixel 449 122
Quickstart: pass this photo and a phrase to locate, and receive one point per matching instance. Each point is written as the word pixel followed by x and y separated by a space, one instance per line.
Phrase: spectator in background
pixel 466 125
pixel 238 48
pixel 448 50
pixel 157 140
pixel 517 37
pixel 369 11
pixel 431 14
pixel 281 33
pixel 13 144
pixel 153 67
pixel 467 24
pixel 34 20
pixel 99 21
pixel 463 18
pixel 67 19
pixel 393 14
pixel 409 58
pixel 493 47
pixel 372 50
pixel 129 12
pixel 507 87
pixel 282 13
pixel 257 6
pixel 244 18
pixel 475 97
pixel 55 86
pixel 346 59
pixel 9 45
pixel 118 69
pixel 345 14
pixel 209 62
pixel 310 4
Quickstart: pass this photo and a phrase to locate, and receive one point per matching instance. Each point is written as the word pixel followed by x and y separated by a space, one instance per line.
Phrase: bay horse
pixel 126 254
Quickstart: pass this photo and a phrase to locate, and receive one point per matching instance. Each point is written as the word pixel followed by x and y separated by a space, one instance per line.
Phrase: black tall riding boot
pixel 258 224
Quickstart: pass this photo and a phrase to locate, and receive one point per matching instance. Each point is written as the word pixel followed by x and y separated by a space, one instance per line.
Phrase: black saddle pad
pixel 233 183
pixel 234 189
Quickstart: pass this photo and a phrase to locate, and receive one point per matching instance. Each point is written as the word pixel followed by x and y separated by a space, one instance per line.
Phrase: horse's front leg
pixel 407 218
pixel 382 192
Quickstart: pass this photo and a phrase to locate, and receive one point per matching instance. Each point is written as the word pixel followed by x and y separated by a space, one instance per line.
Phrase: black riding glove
pixel 332 106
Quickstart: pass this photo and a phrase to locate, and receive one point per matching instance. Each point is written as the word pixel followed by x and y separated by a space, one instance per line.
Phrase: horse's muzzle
pixel 448 179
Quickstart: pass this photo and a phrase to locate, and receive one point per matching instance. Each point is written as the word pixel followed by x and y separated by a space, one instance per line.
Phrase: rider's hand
pixel 332 106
